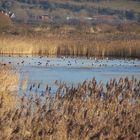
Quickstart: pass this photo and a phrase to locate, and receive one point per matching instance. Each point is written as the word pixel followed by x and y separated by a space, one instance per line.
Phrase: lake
pixel 40 71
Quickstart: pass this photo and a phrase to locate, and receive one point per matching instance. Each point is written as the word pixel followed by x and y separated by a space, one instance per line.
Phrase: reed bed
pixel 90 111
pixel 116 45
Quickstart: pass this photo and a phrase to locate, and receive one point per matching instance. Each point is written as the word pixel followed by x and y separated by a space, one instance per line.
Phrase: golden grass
pixel 109 44
pixel 8 87
pixel 8 94
pixel 90 111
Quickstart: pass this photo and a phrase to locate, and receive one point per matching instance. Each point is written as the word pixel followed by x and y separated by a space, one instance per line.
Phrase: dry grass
pixel 90 111
pixel 116 44
pixel 8 88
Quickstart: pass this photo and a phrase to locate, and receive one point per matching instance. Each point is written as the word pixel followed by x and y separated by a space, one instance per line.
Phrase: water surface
pixel 42 71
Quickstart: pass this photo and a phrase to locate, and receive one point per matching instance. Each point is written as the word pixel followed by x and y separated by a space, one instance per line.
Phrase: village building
pixel 40 18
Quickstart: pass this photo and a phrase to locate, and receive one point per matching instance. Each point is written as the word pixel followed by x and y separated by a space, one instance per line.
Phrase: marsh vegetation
pixel 103 45
pixel 88 111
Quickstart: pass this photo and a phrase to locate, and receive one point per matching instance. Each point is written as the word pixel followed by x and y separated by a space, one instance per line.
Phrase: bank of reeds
pixel 90 111
pixel 116 45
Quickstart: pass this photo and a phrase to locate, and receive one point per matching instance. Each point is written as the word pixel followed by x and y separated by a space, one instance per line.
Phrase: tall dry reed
pixel 8 87
pixel 90 111
pixel 117 45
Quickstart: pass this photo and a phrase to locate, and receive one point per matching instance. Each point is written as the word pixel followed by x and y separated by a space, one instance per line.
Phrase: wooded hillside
pixel 74 11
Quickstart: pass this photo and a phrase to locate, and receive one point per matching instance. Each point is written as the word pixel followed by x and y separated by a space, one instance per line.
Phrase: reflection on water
pixel 36 73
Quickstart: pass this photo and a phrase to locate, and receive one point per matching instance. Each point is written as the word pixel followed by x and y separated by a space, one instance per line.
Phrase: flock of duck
pixel 64 61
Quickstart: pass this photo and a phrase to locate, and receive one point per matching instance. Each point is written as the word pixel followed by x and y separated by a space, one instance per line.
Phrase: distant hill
pixel 74 11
